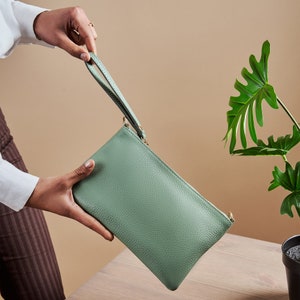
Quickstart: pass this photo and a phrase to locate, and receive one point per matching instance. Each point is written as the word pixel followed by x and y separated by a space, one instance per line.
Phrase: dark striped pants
pixel 28 265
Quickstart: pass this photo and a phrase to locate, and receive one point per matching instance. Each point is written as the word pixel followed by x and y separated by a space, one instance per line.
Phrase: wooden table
pixel 235 268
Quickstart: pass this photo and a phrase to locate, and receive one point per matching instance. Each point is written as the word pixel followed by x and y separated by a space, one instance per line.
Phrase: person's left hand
pixel 69 29
pixel 54 194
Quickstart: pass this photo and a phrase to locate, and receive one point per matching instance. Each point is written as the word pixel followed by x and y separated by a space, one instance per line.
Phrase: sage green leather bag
pixel 164 221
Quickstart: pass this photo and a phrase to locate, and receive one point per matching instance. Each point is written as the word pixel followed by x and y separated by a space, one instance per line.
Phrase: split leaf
pixel 248 104
pixel 289 180
pixel 279 147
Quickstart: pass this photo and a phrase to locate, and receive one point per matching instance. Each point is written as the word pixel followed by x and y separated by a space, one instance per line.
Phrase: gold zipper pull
pixel 231 217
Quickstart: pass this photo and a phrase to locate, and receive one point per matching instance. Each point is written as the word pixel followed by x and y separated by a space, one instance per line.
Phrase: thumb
pixel 72 48
pixel 81 172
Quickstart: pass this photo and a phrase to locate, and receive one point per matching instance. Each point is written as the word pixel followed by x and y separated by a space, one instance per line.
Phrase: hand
pixel 54 194
pixel 69 29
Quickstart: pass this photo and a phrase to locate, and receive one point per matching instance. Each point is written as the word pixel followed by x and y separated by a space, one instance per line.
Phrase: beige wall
pixel 176 63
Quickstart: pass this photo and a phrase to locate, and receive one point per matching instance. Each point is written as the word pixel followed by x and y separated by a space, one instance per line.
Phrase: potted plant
pixel 245 113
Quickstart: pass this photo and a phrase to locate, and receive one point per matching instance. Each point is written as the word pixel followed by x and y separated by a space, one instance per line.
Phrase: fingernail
pixel 84 56
pixel 88 164
pixel 109 237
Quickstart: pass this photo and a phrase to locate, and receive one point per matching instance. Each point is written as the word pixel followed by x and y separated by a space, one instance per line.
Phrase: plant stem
pixel 289 114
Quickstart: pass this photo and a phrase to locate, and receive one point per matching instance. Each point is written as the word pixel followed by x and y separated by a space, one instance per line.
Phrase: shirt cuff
pixel 15 186
pixel 25 15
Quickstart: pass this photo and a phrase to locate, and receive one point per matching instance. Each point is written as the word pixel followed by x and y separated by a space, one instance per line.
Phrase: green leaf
pixel 250 100
pixel 291 200
pixel 280 147
pixel 289 180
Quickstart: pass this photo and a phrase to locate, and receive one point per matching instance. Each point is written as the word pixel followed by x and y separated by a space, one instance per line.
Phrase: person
pixel 28 266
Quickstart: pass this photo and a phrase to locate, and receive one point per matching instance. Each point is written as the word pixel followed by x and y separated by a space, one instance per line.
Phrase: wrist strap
pixel 110 87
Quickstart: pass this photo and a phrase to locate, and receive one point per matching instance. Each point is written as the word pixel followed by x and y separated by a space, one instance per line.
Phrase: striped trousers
pixel 28 265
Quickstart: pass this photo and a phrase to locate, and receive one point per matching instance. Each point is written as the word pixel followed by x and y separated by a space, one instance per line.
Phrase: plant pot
pixel 291 259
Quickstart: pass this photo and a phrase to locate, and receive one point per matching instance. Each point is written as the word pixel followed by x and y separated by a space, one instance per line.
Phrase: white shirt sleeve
pixel 15 186
pixel 16 26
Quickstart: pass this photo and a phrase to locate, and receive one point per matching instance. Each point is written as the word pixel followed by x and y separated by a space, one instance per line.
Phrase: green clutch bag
pixel 164 221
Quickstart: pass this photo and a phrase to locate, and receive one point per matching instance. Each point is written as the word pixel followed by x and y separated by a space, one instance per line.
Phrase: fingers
pixel 76 212
pixel 82 32
pixel 54 194
pixel 79 215
pixel 77 37
pixel 90 37
pixel 69 29
pixel 80 173
pixel 85 34
pixel 67 43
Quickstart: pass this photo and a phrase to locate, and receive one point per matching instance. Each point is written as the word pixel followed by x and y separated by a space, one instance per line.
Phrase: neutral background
pixel 176 63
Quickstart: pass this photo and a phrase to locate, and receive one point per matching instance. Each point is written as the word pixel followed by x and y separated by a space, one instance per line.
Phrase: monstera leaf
pixel 246 111
pixel 248 104
pixel 280 147
pixel 291 200
pixel 290 180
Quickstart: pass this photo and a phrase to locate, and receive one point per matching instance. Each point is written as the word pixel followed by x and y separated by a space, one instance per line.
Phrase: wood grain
pixel 235 268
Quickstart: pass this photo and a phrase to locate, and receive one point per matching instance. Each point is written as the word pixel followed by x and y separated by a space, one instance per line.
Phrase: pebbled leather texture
pixel 164 221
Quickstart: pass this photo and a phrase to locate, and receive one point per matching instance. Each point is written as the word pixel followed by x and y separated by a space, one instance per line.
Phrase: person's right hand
pixel 54 194
pixel 68 28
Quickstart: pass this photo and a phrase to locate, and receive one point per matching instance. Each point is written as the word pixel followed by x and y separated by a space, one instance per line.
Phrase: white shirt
pixel 16 27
